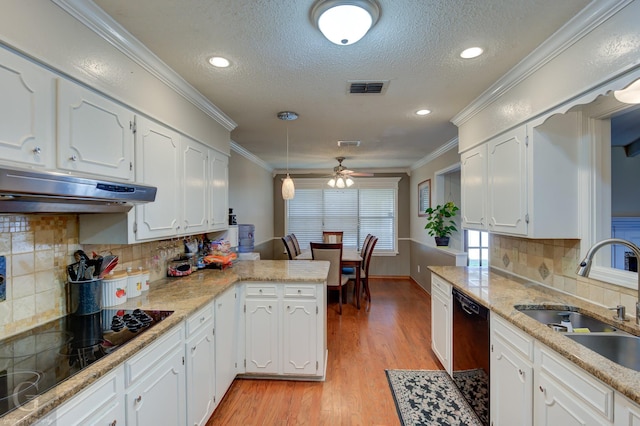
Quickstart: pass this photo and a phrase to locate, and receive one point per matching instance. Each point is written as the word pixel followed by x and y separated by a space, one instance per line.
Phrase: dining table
pixel 351 258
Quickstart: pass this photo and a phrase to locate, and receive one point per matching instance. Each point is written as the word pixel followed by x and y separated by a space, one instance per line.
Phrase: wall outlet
pixel 418 268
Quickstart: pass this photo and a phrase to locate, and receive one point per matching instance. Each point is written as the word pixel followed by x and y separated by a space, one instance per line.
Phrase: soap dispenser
pixel 565 321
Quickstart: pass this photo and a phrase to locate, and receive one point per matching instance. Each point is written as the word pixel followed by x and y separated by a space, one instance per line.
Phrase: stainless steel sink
pixel 620 348
pixel 554 317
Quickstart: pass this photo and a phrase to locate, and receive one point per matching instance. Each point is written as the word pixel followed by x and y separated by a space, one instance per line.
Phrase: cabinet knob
pixel 113 423
pixel 73 158
pixel 260 291
pixel 299 291
pixel 288 308
pixel 37 150
pixel 520 372
pixel 202 319
pixel 541 389
pixel 139 399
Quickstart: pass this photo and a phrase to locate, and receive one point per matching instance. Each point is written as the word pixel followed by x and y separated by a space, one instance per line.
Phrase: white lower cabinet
pixel 626 412
pixel 226 341
pixel 200 366
pixel 155 378
pixel 101 404
pixel 285 332
pixel 441 321
pixel 511 381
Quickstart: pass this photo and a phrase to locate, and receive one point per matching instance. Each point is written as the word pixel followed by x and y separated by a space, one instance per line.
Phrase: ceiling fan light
pixel 288 188
pixel 349 182
pixel 630 94
pixel 340 182
pixel 344 22
pixel 332 182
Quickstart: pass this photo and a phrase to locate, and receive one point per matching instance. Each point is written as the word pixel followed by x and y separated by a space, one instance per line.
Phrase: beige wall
pixel 251 197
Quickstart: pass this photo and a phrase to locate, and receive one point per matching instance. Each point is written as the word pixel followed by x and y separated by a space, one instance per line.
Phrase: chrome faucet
pixel 585 265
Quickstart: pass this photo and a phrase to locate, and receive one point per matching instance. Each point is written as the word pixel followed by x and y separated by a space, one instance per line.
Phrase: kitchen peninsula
pixel 192 299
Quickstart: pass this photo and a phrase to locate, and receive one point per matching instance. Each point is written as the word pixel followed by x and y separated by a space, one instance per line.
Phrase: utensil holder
pixel 85 297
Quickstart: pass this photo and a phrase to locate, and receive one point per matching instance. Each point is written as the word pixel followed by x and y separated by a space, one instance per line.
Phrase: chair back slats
pixel 332 237
pixel 367 239
pixel 288 244
pixel 296 245
pixel 366 259
pixel 332 253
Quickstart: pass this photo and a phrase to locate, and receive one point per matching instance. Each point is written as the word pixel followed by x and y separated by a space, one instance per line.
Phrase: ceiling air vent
pixel 345 144
pixel 368 87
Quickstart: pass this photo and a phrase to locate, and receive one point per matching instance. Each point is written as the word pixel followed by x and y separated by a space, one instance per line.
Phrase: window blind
pixel 369 207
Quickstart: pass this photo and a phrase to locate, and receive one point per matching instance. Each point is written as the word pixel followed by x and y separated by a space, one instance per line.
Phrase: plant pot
pixel 442 241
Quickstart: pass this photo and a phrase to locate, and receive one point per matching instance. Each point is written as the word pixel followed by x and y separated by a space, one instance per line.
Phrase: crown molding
pixel 575 29
pixel 453 143
pixel 94 18
pixel 250 156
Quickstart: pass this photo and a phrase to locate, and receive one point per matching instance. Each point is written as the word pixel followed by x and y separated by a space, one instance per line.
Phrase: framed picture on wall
pixel 424 196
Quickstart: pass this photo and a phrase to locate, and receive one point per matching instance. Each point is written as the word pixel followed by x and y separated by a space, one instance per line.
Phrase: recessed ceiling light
pixel 219 62
pixel 472 52
pixel 423 112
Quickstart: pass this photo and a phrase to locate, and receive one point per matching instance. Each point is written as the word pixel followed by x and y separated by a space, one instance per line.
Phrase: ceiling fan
pixel 342 176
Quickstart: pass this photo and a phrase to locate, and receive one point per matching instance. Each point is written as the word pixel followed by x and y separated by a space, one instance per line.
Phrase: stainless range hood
pixel 33 191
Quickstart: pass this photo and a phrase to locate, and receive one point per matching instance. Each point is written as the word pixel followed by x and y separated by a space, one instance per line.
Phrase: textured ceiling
pixel 280 61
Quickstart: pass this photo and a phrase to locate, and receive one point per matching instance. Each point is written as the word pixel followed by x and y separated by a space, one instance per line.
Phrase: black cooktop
pixel 35 361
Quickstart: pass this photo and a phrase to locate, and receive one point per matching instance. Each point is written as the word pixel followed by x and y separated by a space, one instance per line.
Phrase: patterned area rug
pixel 473 385
pixel 429 398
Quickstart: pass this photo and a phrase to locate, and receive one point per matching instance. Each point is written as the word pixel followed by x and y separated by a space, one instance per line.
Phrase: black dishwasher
pixel 471 352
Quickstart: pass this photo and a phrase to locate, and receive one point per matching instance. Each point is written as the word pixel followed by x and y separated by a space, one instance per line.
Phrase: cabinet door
pixel 261 335
pixel 225 338
pixel 158 164
pixel 95 134
pixel 218 190
pixel 200 361
pixel 474 187
pixel 556 405
pixel 300 337
pixel 158 398
pixel 441 321
pixel 27 108
pixel 507 182
pixel 194 192
pixel 627 413
pixel 511 386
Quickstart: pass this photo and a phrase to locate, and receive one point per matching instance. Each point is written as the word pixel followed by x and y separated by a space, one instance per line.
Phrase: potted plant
pixel 440 223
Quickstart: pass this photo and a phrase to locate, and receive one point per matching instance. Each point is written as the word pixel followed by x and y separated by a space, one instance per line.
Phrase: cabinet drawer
pixel 595 394
pixel 514 337
pixel 441 285
pixel 150 357
pixel 257 290
pixel 201 318
pixel 299 291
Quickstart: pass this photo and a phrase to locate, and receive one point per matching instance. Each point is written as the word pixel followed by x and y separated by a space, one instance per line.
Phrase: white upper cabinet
pixel 195 197
pixel 218 190
pixel 473 188
pixel 507 182
pixel 528 183
pixel 158 164
pixel 95 134
pixel 27 106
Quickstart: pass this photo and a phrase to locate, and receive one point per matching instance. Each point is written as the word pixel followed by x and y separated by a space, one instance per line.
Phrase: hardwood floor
pixel 394 334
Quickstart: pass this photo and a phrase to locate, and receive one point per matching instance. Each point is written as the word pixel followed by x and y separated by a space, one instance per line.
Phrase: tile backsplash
pixel 553 263
pixel 37 249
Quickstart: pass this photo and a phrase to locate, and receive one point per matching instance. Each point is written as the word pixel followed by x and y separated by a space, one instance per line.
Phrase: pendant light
pixel 288 188
pixel 630 94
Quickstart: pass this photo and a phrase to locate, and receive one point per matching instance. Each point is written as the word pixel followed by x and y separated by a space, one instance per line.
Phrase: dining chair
pixel 348 270
pixel 288 244
pixel 333 253
pixel 296 245
pixel 332 237
pixel 364 273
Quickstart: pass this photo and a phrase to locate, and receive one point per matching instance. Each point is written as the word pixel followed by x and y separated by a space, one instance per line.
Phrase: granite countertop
pixel 501 292
pixel 184 296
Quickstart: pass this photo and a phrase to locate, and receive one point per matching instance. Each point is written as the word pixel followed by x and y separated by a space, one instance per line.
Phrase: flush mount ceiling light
pixel 288 188
pixel 472 52
pixel 423 112
pixel 219 62
pixel 630 94
pixel 344 22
